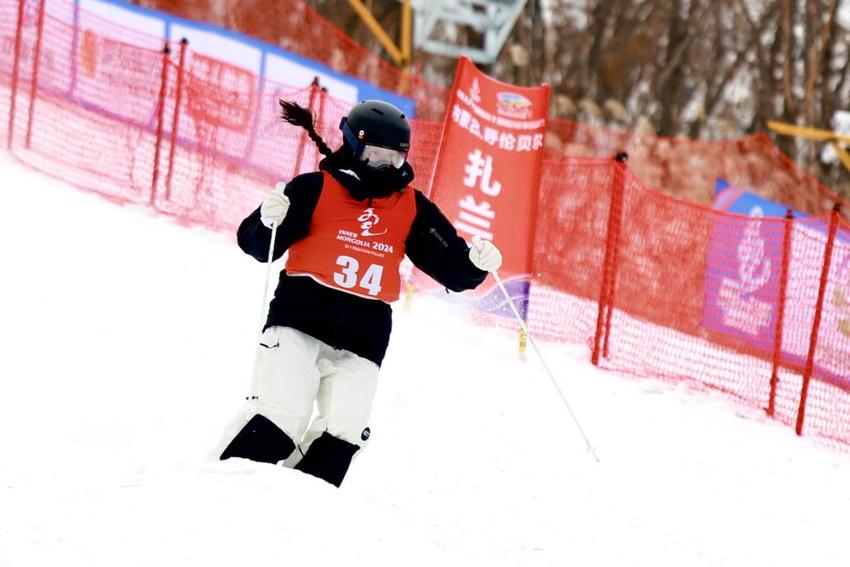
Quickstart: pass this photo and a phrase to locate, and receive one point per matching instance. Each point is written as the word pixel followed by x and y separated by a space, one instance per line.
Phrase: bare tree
pixel 706 69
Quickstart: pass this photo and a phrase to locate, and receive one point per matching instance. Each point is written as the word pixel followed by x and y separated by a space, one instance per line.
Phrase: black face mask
pixel 370 183
pixel 384 180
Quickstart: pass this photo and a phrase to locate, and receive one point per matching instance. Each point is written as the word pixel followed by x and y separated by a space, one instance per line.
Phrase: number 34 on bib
pixel 349 277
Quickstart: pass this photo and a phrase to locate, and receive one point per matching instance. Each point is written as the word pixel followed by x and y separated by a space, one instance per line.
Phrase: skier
pixel 347 228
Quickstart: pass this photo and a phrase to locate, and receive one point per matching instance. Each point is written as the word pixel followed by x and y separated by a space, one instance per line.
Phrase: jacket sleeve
pixel 254 237
pixel 435 247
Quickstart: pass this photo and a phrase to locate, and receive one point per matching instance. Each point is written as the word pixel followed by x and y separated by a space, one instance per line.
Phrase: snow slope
pixel 128 343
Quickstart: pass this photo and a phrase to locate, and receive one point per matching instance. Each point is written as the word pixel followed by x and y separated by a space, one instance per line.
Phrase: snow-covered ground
pixel 127 345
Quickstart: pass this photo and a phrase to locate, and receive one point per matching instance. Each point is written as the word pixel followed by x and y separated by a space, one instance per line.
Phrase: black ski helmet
pixel 376 123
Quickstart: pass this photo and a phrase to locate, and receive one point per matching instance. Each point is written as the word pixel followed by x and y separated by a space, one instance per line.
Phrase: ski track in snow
pixel 128 344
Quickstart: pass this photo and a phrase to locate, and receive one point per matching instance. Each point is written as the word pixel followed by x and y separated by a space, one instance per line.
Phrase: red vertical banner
pixel 488 171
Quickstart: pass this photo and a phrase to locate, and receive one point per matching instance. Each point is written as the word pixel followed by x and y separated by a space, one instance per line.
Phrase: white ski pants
pixel 307 387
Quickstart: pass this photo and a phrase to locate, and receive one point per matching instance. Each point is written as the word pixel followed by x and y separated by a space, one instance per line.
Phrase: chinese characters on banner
pixel 488 169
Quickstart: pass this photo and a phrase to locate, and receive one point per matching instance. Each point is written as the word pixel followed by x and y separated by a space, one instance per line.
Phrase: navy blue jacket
pixel 339 319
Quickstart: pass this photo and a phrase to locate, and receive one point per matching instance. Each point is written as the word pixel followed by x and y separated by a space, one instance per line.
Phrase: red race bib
pixel 355 246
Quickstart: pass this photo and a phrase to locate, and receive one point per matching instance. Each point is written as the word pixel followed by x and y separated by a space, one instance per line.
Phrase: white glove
pixel 484 255
pixel 274 207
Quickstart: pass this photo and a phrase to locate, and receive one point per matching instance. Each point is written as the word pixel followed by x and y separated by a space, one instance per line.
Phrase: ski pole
pixel 524 327
pixel 254 395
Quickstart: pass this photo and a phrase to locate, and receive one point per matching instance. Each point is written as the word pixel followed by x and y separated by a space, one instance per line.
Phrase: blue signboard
pixel 743 277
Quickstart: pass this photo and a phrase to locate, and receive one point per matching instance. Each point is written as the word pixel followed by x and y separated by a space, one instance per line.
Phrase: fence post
pixel 175 123
pixel 35 70
pixel 16 65
pixel 314 91
pixel 163 92
pixel 620 173
pixel 258 114
pixel 780 310
pixel 610 243
pixel 813 341
pixel 75 48
pixel 320 117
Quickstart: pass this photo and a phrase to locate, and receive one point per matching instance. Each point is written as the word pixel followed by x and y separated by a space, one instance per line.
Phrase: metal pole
pixel 16 71
pixel 175 123
pixel 254 395
pixel 780 311
pixel 601 315
pixel 377 30
pixel 163 91
pixel 35 70
pixel 320 120
pixel 620 175
pixel 813 341
pixel 545 365
pixel 299 155
pixel 406 45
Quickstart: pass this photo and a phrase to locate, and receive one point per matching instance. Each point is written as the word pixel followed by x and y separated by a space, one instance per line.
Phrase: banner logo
pixel 513 105
pixel 475 91
pixel 741 310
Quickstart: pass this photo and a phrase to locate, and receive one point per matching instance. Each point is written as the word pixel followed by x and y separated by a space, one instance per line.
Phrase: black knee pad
pixel 260 440
pixel 328 458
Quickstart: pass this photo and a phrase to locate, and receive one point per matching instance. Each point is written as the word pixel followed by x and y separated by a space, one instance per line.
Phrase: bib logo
pixel 367 220
pixel 514 105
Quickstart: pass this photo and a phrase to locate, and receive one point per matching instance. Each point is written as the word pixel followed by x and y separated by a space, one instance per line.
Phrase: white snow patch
pixel 127 344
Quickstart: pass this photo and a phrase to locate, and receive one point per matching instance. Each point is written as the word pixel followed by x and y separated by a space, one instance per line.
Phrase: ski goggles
pixel 377 157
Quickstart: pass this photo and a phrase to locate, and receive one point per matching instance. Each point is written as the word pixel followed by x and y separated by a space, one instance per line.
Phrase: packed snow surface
pixel 128 343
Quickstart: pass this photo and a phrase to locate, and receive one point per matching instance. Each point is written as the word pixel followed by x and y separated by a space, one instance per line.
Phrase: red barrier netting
pixel 675 165
pixel 8 22
pixel 696 293
pixel 678 166
pixel 656 286
pixel 569 247
pixel 688 168
pixel 299 29
pixel 91 118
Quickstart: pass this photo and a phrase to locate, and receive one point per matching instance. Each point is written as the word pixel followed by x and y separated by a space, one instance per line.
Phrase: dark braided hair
pixel 297 115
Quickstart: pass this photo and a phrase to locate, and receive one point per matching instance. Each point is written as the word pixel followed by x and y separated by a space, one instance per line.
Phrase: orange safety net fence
pixel 688 168
pixel 755 307
pixel 191 135
pixel 654 285
pixel 677 166
pixel 731 302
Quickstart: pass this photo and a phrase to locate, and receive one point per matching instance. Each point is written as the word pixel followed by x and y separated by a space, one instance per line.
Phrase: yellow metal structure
pixel 406 33
pixel 400 54
pixel 406 43
pixel 817 134
pixel 837 141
